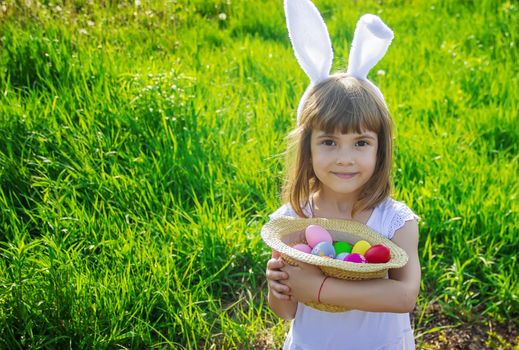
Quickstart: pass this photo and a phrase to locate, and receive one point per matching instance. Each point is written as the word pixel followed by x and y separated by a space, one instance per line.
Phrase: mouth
pixel 344 175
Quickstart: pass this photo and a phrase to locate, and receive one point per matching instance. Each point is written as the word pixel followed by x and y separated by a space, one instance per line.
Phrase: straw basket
pixel 284 232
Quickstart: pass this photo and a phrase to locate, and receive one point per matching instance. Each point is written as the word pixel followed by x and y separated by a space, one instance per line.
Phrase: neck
pixel 329 204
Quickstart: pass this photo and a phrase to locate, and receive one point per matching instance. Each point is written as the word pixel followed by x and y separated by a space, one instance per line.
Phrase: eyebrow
pixel 365 136
pixel 325 135
pixel 359 136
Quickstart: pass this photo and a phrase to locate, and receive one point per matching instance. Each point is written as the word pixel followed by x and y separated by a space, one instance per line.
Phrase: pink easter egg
pixel 355 258
pixel 315 234
pixel 303 247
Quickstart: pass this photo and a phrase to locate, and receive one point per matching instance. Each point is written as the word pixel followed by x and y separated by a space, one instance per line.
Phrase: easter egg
pixel 378 254
pixel 341 256
pixel 342 247
pixel 355 258
pixel 324 249
pixel 303 247
pixel 315 234
pixel 360 247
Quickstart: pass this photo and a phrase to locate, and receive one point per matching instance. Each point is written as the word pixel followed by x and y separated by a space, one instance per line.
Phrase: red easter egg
pixel 378 254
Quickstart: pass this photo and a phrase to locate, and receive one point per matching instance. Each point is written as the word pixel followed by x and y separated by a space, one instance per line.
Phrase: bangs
pixel 343 104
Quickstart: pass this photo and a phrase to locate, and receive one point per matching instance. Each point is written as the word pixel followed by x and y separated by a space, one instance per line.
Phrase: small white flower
pixel 222 16
pixel 381 72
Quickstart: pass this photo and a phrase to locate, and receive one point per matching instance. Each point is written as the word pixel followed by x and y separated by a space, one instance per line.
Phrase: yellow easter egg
pixel 360 247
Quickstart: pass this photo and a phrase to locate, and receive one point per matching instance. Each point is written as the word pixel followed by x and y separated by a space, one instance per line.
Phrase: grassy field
pixel 141 150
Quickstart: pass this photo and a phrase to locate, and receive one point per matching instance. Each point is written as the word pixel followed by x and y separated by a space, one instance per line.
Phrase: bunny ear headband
pixel 313 48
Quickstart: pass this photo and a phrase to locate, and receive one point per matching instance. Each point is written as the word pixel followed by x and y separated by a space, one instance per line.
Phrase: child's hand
pixel 304 281
pixel 275 275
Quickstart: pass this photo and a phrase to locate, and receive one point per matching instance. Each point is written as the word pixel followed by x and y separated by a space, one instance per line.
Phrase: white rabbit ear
pixel 370 42
pixel 310 39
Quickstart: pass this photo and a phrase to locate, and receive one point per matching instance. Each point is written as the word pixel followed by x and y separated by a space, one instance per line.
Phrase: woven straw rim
pixel 274 230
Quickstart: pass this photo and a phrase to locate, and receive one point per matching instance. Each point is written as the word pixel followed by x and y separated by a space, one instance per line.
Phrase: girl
pixel 340 157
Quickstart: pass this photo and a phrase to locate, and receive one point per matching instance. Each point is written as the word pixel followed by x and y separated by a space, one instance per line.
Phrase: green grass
pixel 141 149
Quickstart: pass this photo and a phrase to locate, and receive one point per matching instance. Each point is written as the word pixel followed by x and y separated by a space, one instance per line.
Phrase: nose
pixel 344 158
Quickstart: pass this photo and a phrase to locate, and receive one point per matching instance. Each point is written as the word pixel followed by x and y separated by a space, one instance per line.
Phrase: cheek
pixel 315 166
pixel 371 162
pixel 319 169
pixel 320 161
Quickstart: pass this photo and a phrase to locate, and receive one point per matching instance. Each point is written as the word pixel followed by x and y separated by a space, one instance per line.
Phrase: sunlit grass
pixel 141 151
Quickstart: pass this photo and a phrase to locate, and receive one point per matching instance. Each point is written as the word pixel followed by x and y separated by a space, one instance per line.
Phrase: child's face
pixel 343 163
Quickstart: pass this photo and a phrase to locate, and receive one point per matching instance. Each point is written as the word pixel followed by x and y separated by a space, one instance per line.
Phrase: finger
pixel 280 287
pixel 280 296
pixel 275 264
pixel 275 275
pixel 288 268
pixel 306 266
pixel 276 254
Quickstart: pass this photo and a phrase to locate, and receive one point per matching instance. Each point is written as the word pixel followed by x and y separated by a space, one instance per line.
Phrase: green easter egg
pixel 342 247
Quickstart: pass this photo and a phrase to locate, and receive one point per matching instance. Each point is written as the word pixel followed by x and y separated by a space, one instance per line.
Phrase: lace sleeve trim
pixel 399 219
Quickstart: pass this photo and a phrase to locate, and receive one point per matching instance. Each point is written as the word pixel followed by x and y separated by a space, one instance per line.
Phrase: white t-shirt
pixel 314 329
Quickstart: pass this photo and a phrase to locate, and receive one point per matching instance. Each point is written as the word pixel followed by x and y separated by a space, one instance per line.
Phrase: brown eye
pixel 328 142
pixel 361 143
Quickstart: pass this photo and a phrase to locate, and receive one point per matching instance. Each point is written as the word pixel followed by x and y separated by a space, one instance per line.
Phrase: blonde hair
pixel 346 104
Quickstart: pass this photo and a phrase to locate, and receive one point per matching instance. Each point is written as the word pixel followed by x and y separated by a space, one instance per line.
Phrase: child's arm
pixel 396 294
pixel 278 295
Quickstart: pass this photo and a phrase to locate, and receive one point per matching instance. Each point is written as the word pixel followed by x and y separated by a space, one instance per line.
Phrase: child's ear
pixel 310 39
